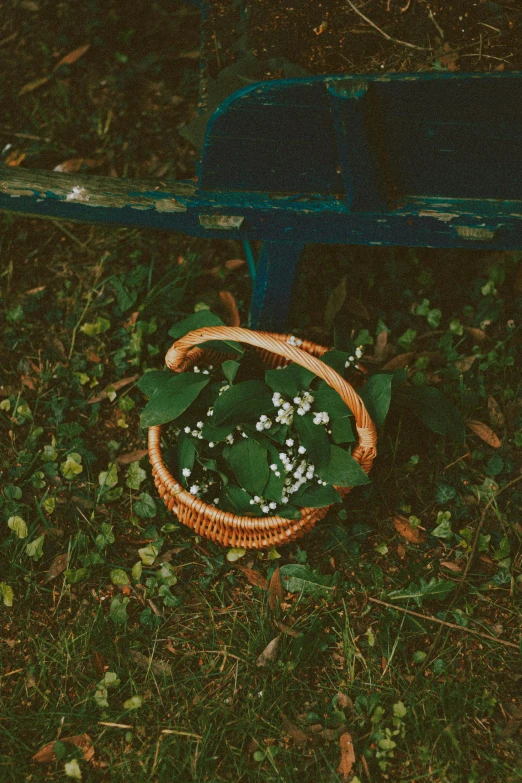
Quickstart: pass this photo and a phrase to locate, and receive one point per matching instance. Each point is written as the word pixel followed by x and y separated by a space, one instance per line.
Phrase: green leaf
pixel 302 579
pixel 248 460
pixel 198 321
pixel 195 321
pixel 342 429
pixel 145 507
pixel 274 488
pixel 118 610
pixel 72 466
pixel 152 381
pixel 235 553
pixel 49 504
pixel 434 589
pixel 282 381
pixel 314 438
pixel 135 476
pixel 342 470
pixel 337 360
pixel 289 512
pixel 72 769
pixel 6 594
pixel 216 434
pixel 173 398
pixel 18 525
pixel 148 554
pixel 99 326
pixel 237 500
pixel 12 493
pixel 34 549
pixel 327 399
pixel 186 455
pixel 376 395
pixel 134 703
pixel 108 478
pixel 73 576
pixel 119 577
pixel 137 570
pixel 244 401
pixel 434 410
pixel 230 369
pixel 316 496
pixel 443 529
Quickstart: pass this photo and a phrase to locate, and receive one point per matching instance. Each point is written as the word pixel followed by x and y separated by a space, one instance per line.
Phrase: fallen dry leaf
pixel 465 364
pixel 275 590
pixel 381 345
pixel 399 362
pixel 288 630
pixel 230 309
pixel 156 667
pixel 450 565
pixel 347 756
pixel 270 652
pixel 131 456
pixel 117 385
pixel 401 551
pixel 73 165
pixel 71 58
pixel 30 86
pixel 343 701
pixel 14 158
pixel 496 416
pixel 335 302
pixel 234 263
pixel 254 577
pixel 404 529
pixel 57 567
pixel 47 755
pixel 479 335
pixel 485 433
pixel 28 381
pixel 294 732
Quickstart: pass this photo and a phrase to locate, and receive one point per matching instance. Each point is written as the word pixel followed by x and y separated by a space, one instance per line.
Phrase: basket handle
pixel 178 360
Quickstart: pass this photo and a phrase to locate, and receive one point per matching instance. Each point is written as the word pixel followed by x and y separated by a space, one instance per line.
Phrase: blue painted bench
pixel 428 160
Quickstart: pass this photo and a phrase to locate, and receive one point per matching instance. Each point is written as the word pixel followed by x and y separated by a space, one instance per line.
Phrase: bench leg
pixel 275 273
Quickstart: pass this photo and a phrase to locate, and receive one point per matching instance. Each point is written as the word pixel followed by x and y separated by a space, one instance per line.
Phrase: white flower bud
pixel 186 472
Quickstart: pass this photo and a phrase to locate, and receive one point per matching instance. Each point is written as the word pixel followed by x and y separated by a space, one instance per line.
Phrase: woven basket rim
pixel 182 356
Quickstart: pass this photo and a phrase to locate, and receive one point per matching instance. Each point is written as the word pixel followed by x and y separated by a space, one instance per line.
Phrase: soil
pixel 331 37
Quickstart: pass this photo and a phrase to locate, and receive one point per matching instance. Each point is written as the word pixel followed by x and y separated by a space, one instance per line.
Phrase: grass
pixel 433 697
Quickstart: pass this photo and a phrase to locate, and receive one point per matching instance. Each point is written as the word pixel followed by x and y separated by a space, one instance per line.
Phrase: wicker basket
pixel 223 527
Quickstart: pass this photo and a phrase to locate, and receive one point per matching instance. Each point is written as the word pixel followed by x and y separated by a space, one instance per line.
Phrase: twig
pixel 87 305
pixel 437 25
pixel 480 525
pixel 6 132
pixel 444 622
pixel 385 35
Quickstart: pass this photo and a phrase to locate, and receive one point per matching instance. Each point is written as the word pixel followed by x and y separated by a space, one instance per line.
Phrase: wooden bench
pixel 428 160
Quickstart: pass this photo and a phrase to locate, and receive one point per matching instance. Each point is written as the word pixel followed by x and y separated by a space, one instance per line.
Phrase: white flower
pixel 259 426
pixel 289 442
pixel 273 466
pixel 196 369
pixel 284 499
pixel 244 434
pixel 205 372
pixel 211 444
pixel 286 406
pixel 263 417
pixel 301 411
pixel 194 489
pixel 216 500
pixel 256 498
pixel 359 351
pixel 186 472
pixel 187 430
pixel 277 473
pixel 291 340
pixel 301 450
pixel 265 509
pixel 272 505
pixel 251 502
pixel 297 400
pixel 276 399
pixel 210 411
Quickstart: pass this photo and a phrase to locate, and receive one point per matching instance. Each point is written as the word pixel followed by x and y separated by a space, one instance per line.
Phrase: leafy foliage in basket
pixel 253 440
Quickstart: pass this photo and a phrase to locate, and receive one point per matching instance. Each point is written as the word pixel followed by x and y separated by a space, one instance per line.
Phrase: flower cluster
pixel 351 361
pixel 264 423
pixel 266 506
pixel 206 371
pixel 196 433
pixel 302 404
pixel 321 418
